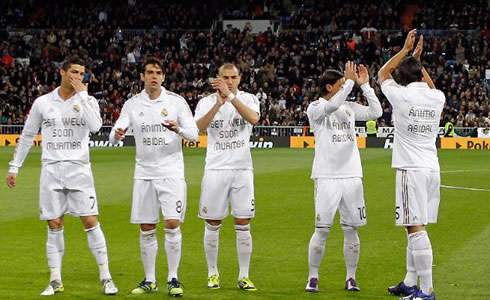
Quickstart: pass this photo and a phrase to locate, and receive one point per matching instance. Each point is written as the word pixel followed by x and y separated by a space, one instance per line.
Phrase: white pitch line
pixel 464 188
pixel 464 171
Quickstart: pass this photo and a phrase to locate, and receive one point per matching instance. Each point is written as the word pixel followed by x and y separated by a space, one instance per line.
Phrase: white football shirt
pixel 417 110
pixel 333 122
pixel 158 150
pixel 65 126
pixel 228 134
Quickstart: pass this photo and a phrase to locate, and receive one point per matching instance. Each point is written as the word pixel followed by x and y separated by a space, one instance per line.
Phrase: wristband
pixel 230 97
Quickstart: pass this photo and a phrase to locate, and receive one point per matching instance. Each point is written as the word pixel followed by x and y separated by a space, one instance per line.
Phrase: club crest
pixel 76 108
pixel 164 112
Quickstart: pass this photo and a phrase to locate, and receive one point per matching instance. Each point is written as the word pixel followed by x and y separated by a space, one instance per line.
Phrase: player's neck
pixel 66 93
pixel 153 93
pixel 328 96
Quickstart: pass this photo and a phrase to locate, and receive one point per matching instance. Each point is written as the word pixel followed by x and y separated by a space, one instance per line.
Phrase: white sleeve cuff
pixel 13 169
pixel 365 87
pixel 83 94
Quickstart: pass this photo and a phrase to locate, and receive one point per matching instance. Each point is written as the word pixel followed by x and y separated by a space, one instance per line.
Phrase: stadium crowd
pixel 281 65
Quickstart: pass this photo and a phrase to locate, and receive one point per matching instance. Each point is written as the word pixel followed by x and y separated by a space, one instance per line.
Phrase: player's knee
pixel 350 234
pixel 213 222
pixel 148 227
pixel 242 221
pixel 172 224
pixel 212 227
pixel 55 225
pixel 322 232
pixel 89 221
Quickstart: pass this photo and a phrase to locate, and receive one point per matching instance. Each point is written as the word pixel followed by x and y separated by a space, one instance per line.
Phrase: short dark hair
pixel 409 70
pixel 152 61
pixel 72 60
pixel 330 76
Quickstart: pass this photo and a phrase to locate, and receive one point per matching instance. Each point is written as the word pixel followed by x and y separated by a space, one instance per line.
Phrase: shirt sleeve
pixel 370 112
pixel 200 109
pixel 90 111
pixel 123 122
pixel 321 109
pixel 254 104
pixel 31 128
pixel 187 124
pixel 392 91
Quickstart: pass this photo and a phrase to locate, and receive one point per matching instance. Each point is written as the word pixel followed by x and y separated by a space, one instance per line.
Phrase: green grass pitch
pixel 280 231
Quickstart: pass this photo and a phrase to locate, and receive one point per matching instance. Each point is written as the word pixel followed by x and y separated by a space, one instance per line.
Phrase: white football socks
pixel 173 248
pixel 211 246
pixel 148 251
pixel 411 277
pixel 316 250
pixel 97 245
pixel 351 250
pixel 422 257
pixel 55 248
pixel 244 248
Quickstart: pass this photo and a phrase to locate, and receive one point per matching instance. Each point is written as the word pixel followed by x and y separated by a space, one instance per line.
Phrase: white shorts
pixel 220 187
pixel 152 195
pixel 67 187
pixel 344 194
pixel 417 197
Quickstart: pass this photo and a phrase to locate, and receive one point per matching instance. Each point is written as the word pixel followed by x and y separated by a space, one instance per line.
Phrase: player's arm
pixel 118 132
pixel 321 109
pixel 417 53
pixel 204 121
pixel 373 110
pixel 91 110
pixel 31 128
pixel 186 126
pixel 385 72
pixel 246 112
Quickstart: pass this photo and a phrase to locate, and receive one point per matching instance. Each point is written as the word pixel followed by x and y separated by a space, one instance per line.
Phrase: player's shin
pixel 422 256
pixel 351 250
pixel 97 245
pixel 55 248
pixel 411 277
pixel 211 246
pixel 148 251
pixel 244 248
pixel 173 248
pixel 316 250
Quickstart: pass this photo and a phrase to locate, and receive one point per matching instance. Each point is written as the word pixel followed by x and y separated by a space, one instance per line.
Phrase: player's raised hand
pixel 78 86
pixel 418 49
pixel 350 71
pixel 220 86
pixel 363 76
pixel 221 98
pixel 410 40
pixel 120 133
pixel 171 125
pixel 11 180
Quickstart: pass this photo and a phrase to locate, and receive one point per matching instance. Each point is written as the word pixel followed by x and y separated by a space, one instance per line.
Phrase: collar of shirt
pixel 57 97
pixel 146 98
pixel 418 84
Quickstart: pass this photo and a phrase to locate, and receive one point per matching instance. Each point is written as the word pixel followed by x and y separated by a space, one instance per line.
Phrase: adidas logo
pixel 141 114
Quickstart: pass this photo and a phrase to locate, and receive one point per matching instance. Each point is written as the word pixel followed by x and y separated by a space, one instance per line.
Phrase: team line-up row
pixel 66 183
